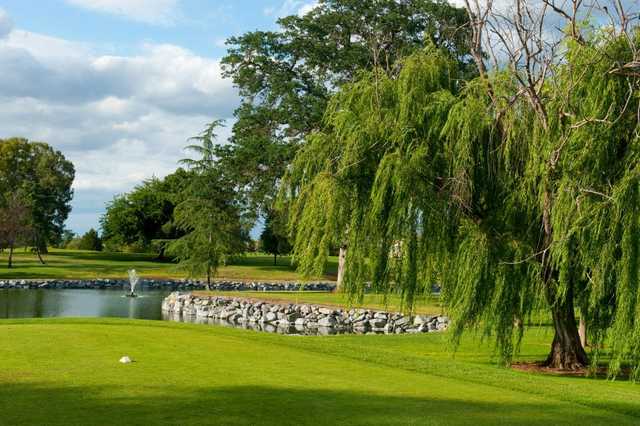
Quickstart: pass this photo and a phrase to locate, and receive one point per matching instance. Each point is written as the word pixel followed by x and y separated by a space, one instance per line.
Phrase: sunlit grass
pixel 77 264
pixel 66 372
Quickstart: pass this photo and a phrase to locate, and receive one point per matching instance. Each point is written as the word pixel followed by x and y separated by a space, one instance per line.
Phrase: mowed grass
pixel 77 264
pixel 423 305
pixel 66 372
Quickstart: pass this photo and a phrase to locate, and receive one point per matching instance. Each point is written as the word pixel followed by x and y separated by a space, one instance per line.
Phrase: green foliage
pixel 66 238
pixel 143 220
pixel 431 181
pixel 90 241
pixel 273 238
pixel 208 216
pixel 287 77
pixel 43 178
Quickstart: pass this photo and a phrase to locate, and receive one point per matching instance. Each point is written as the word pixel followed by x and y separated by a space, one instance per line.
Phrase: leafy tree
pixel 286 77
pixel 144 218
pixel 15 224
pixel 470 186
pixel 209 215
pixel 44 177
pixel 66 237
pixel 273 238
pixel 91 241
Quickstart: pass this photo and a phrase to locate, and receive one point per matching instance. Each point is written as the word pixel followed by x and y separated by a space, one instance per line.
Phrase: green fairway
pixel 77 264
pixel 66 372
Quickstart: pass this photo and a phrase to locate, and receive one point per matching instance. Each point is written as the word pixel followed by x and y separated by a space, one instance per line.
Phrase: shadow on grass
pixel 23 404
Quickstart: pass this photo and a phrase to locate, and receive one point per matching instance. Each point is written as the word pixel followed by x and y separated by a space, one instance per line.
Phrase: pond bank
pixel 151 284
pixel 292 318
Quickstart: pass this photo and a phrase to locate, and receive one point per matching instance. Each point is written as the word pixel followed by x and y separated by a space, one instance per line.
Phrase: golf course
pixel 193 374
pixel 319 212
pixel 66 372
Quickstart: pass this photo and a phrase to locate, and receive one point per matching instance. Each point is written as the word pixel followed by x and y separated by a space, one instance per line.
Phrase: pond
pixel 16 303
pixel 19 303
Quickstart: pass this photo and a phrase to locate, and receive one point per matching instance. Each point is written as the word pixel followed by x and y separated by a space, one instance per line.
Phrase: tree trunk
pixel 567 352
pixel 10 256
pixel 39 256
pixel 208 280
pixel 342 257
pixel 275 259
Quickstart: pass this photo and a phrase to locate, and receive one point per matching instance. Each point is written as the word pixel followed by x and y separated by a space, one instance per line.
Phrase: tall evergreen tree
pixel 209 215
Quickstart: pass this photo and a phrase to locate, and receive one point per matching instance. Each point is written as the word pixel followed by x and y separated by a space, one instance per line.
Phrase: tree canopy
pixel 42 178
pixel 515 212
pixel 273 239
pixel 143 219
pixel 286 77
pixel 209 214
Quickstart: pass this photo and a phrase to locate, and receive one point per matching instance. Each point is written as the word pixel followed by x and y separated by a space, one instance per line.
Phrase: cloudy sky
pixel 119 85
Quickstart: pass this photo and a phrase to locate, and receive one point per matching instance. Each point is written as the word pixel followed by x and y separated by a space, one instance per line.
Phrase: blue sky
pixel 120 85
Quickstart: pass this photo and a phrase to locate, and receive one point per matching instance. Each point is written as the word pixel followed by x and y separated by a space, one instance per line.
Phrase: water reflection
pixel 269 328
pixel 16 303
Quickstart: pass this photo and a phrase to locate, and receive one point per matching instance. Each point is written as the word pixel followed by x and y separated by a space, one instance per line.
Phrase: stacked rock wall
pixel 150 284
pixel 303 318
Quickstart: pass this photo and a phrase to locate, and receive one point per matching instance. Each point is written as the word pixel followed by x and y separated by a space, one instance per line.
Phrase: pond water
pixel 42 303
pixel 19 303
pixel 16 303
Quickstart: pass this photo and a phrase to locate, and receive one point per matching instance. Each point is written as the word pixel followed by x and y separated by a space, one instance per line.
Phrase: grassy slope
pixel 427 305
pixel 66 372
pixel 76 264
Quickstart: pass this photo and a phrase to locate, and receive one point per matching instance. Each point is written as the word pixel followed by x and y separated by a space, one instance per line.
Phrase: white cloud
pixel 6 25
pixel 291 7
pixel 120 119
pixel 306 8
pixel 158 12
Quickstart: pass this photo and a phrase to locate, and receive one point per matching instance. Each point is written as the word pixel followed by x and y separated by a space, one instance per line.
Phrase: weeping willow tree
pixel 515 212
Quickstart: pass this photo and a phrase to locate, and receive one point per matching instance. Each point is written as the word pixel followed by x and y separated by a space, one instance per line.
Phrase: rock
pixel 125 360
pixel 377 323
pixel 326 311
pixel 327 322
pixel 421 319
pixel 270 317
pixel 402 321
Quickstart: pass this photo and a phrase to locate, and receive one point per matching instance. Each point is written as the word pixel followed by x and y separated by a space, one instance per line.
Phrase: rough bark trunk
pixel 275 259
pixel 342 257
pixel 208 280
pixel 10 256
pixel 567 352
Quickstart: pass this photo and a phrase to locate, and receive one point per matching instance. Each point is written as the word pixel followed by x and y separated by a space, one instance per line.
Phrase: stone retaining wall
pixel 302 318
pixel 149 284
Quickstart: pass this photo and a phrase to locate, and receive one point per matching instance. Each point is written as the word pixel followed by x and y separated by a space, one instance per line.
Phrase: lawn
pixel 66 372
pixel 76 264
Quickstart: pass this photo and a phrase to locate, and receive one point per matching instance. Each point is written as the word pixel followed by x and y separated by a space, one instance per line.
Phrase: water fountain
pixel 133 282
